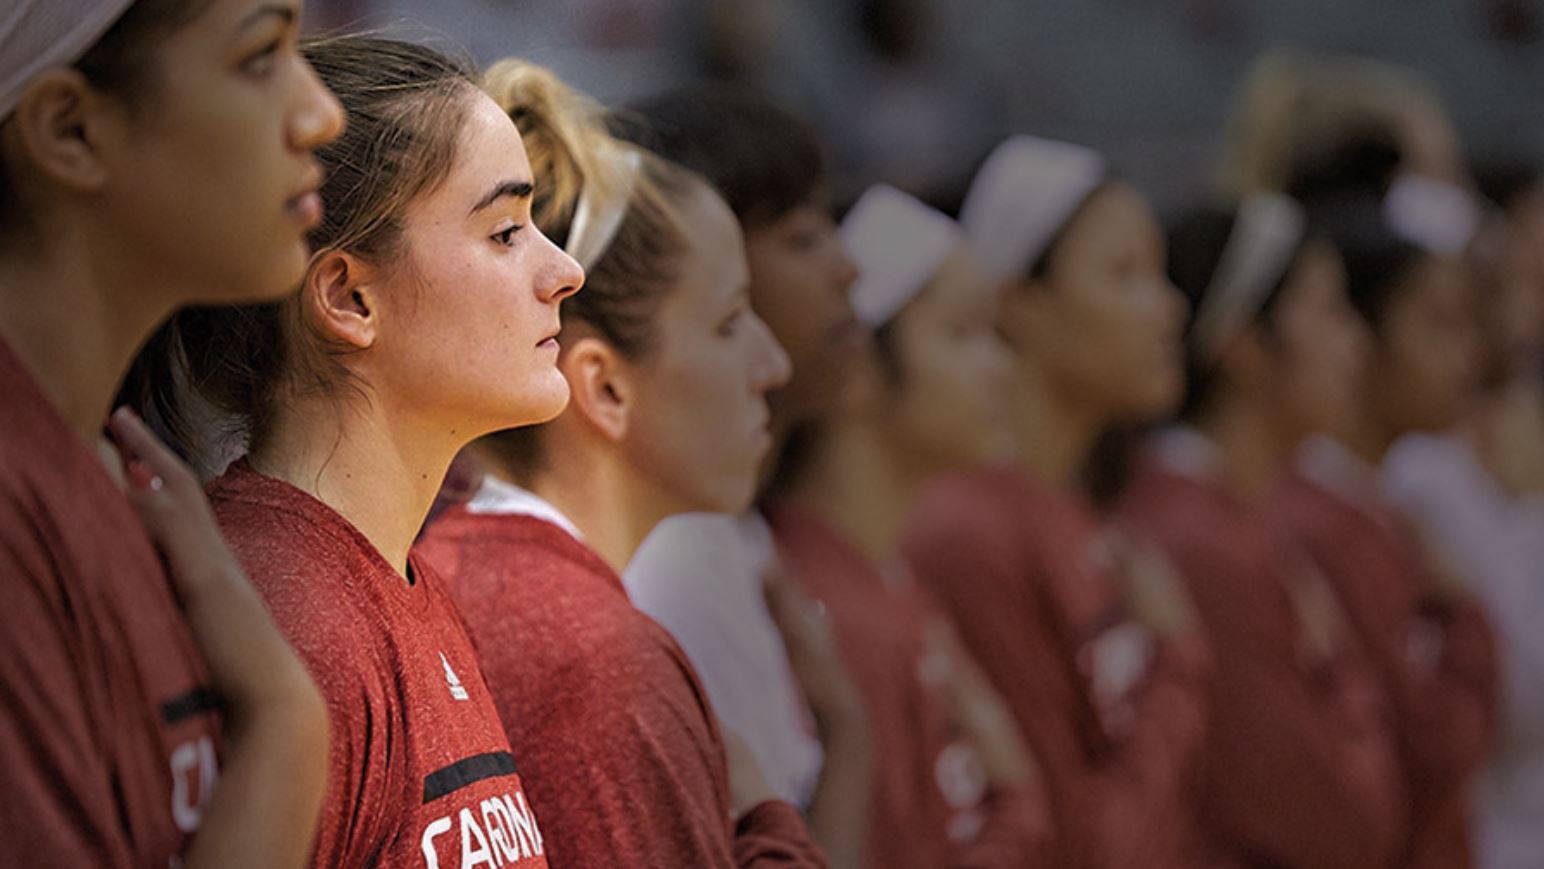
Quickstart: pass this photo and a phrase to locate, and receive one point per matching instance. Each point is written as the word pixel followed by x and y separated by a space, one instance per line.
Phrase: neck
pixel 379 468
pixel 75 322
pixel 1367 437
pixel 1053 436
pixel 597 491
pixel 1252 452
pixel 860 482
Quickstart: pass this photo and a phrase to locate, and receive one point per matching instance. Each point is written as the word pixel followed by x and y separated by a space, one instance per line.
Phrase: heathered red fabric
pixel 1114 714
pixel 1435 659
pixel 420 773
pixel 931 810
pixel 625 760
pixel 1299 763
pixel 108 738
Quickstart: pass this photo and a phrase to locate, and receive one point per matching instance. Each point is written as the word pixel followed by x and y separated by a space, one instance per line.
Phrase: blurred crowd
pixel 750 471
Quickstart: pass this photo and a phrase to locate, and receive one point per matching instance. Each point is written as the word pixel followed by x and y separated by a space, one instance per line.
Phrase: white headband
pixel 37 35
pixel 898 245
pixel 1023 196
pixel 1267 231
pixel 1435 216
pixel 596 223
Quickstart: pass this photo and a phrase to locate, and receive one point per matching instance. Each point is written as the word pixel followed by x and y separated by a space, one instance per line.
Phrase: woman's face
pixel 947 404
pixel 1104 328
pixel 800 277
pixel 1319 345
pixel 466 342
pixel 698 428
pixel 1423 365
pixel 211 177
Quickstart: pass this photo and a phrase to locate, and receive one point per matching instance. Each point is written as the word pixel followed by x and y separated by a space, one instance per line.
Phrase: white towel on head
pixel 36 35
pixel 1267 231
pixel 1433 215
pixel 1022 198
pixel 898 245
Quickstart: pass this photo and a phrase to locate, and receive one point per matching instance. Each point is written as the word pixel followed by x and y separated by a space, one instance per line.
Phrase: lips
pixel 551 338
pixel 306 204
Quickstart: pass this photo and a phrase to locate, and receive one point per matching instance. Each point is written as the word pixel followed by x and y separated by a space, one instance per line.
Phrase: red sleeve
pixel 59 804
pixel 1016 835
pixel 639 778
pixel 1115 806
pixel 1298 769
pixel 1446 707
pixel 773 834
pixel 1120 807
pixel 359 805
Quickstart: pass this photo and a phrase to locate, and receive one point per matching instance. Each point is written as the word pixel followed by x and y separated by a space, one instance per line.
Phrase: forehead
pixel 958 287
pixel 1116 215
pixel 488 152
pixel 716 249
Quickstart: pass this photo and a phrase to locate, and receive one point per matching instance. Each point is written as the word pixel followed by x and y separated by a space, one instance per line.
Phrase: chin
pixel 544 403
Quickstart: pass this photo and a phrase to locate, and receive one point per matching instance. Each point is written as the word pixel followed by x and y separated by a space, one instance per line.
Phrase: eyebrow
pixel 516 189
pixel 283 11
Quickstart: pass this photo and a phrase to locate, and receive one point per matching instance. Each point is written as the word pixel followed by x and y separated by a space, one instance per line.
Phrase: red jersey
pixel 1434 656
pixel 626 763
pixel 1299 765
pixel 108 733
pixel 932 807
pixel 420 773
pixel 1114 713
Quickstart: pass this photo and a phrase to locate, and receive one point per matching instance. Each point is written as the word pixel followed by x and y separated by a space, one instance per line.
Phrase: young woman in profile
pixel 427 317
pixel 1093 648
pixel 1406 240
pixel 153 154
pixel 669 370
pixel 1298 768
pixel 956 787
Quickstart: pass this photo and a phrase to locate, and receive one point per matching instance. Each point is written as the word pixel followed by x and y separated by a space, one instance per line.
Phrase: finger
pixel 136 442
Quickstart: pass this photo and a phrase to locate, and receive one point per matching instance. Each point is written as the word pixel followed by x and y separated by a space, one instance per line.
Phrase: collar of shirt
pixel 499 498
pixel 1332 465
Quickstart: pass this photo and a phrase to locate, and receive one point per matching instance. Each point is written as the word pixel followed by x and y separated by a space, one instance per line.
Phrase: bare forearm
pixel 838 812
pixel 265 808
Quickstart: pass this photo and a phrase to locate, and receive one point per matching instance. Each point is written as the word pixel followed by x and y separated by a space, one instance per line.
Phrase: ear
pixel 339 300
pixel 866 390
pixel 1246 362
pixel 62 124
pixel 600 386
pixel 1023 312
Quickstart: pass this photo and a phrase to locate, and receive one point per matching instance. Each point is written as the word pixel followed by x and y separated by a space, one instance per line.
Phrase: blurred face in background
pixel 1317 346
pixel 949 373
pixel 1422 370
pixel 699 429
pixel 1102 327
pixel 799 281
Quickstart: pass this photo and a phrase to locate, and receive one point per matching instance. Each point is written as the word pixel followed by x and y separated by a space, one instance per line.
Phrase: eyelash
pixel 261 64
pixel 727 328
pixel 506 237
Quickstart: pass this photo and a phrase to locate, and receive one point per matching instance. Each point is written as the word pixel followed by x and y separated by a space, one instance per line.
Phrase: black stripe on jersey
pixel 199 701
pixel 466 771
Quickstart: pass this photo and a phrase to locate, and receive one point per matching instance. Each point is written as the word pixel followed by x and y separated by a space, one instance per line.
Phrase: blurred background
pixel 917 91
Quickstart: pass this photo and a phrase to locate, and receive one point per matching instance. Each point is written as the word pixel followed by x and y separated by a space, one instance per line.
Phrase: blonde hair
pixel 1295 107
pixel 574 159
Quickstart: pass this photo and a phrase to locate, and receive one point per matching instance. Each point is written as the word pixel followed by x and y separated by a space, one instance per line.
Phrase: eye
pixel 506 237
pixel 262 63
pixel 731 323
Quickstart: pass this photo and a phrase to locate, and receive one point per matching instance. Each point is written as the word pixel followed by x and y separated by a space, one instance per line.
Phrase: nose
pixel 846 270
pixel 562 276
pixel 773 365
pixel 1176 306
pixel 319 118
